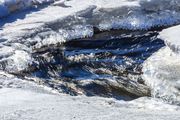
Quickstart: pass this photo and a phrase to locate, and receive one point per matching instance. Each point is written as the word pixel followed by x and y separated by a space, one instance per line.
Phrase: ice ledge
pixel 171 36
pixel 75 19
pixel 161 73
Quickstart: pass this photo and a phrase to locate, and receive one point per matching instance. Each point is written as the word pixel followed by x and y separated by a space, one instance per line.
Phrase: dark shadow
pixel 122 53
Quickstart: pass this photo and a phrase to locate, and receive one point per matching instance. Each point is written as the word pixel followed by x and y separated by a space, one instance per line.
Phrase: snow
pixel 20 104
pixel 11 81
pixel 9 6
pixel 60 21
pixel 63 20
pixel 19 61
pixel 161 70
pixel 161 73
pixel 171 38
pixel 22 99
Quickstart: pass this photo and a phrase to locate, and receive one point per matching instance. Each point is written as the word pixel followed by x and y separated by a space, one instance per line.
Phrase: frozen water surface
pixel 93 48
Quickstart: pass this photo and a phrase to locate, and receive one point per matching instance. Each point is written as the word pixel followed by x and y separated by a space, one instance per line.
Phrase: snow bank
pixel 20 104
pixel 21 99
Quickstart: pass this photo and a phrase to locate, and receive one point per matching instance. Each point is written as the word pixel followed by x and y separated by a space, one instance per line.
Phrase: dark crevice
pixel 109 64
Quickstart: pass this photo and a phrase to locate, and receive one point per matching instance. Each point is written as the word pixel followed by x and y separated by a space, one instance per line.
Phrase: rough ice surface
pixel 161 70
pixel 11 81
pixel 19 61
pixel 162 74
pixel 66 20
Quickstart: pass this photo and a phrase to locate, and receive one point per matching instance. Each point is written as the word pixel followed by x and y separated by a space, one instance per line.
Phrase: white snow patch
pixel 21 104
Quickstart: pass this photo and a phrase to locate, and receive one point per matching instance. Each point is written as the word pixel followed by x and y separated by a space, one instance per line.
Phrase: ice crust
pixel 161 70
pixel 171 38
pixel 162 74
pixel 66 20
pixel 62 21
pixel 9 6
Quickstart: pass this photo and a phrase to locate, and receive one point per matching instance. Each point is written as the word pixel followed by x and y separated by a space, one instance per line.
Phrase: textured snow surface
pixel 24 100
pixel 17 104
pixel 11 81
pixel 21 99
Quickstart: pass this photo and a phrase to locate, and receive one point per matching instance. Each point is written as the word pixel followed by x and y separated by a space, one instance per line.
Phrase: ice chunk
pixel 17 62
pixel 162 74
pixel 171 36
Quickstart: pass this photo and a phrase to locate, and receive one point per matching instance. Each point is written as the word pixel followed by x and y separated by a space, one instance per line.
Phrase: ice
pixel 22 33
pixel 22 99
pixel 102 14
pixel 80 17
pixel 9 6
pixel 18 61
pixel 171 38
pixel 162 73
pixel 68 20
pixel 11 81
